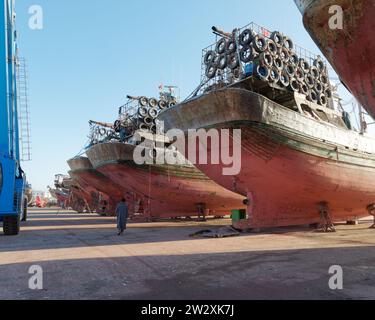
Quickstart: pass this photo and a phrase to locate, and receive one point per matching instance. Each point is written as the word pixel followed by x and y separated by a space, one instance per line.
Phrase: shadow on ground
pixel 289 274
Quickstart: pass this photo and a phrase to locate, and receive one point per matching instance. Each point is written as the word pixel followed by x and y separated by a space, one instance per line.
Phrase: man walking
pixel 122 211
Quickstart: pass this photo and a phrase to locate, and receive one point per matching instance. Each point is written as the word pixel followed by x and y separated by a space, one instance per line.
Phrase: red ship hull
pixel 110 194
pixel 351 51
pixel 285 175
pixel 166 191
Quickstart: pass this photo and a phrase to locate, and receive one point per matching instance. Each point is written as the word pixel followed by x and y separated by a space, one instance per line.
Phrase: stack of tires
pixel 148 111
pixel 272 59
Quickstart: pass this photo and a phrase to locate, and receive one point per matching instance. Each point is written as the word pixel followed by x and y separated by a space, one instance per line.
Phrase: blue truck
pixel 13 206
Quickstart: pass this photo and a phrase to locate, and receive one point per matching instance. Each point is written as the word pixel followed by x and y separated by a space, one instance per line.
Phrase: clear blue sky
pixel 92 53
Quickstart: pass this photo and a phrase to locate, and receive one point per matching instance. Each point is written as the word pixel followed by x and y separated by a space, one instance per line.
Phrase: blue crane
pixel 13 206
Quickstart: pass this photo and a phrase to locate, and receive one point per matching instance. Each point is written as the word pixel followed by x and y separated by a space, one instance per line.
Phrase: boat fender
pixel 143 111
pixel 284 79
pixel 278 63
pixel 221 46
pixel 259 43
pixel 233 61
pixel 153 103
pixel 272 47
pixel 247 54
pixel 143 101
pixel 246 37
pixel 294 85
pixel 211 71
pixel 153 112
pixel 266 59
pixel 288 44
pixel 262 72
pixel 291 70
pixel 278 38
pixel 231 47
pixel 274 75
pixel 209 57
pixel 162 104
pixel 223 61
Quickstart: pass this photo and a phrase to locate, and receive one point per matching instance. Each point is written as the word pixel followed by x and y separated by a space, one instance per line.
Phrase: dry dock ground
pixel 83 258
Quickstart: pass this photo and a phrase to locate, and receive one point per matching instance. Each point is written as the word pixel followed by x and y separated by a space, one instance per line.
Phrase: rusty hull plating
pixel 351 51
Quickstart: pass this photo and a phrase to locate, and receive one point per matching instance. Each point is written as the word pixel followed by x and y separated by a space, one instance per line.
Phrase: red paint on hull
pixel 286 189
pixel 351 51
pixel 165 194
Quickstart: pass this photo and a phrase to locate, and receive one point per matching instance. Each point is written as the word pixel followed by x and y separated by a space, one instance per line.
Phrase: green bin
pixel 238 215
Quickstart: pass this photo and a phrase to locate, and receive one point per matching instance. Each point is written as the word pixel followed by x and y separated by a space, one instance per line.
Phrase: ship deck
pixel 84 259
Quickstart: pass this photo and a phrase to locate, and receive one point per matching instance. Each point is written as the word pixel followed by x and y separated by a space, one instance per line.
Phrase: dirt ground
pixel 83 258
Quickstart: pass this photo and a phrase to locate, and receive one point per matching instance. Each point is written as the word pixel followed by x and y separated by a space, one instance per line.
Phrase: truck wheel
pixel 11 225
pixel 24 216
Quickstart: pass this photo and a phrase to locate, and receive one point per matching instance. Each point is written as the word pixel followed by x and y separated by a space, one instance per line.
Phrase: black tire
pixel 143 101
pixel 322 100
pixel 231 47
pixel 172 103
pixel 300 75
pixel 288 44
pixel 221 46
pixel 319 64
pixel 24 212
pixel 291 70
pixel 304 89
pixel 246 37
pixel 266 59
pixel 209 57
pixel 304 65
pixel 143 127
pixel 153 113
pixel 262 72
pixel 162 104
pixel 272 47
pixel 211 71
pixel 294 59
pixel 233 62
pixel 313 97
pixel 278 38
pixel 247 54
pixel 11 225
pixel 278 63
pixel 319 88
pixel 153 103
pixel 223 61
pixel 260 43
pixel 309 80
pixel 324 80
pixel 328 93
pixel 143 111
pixel 148 121
pixel 284 79
pixel 314 72
pixel 284 55
pixel 274 76
pixel 294 85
